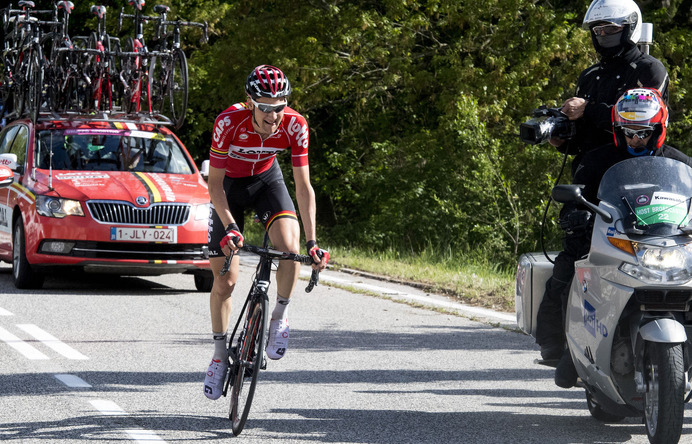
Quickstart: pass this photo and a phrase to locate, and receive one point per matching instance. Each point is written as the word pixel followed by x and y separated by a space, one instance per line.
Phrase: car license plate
pixel 164 235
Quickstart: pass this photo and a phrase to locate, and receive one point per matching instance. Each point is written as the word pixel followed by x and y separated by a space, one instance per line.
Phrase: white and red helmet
pixel 267 81
pixel 641 107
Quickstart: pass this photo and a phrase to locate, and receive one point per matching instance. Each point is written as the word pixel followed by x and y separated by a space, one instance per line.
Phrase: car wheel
pixel 24 276
pixel 204 281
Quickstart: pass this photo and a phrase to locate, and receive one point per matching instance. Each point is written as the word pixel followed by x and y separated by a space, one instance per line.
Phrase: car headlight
pixel 202 212
pixel 57 207
pixel 661 265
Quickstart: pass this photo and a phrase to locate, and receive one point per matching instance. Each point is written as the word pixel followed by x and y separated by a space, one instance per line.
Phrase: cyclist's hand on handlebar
pixel 233 239
pixel 319 256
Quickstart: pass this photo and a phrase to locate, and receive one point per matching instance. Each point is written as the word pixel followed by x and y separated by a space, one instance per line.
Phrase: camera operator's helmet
pixel 618 12
pixel 267 81
pixel 642 107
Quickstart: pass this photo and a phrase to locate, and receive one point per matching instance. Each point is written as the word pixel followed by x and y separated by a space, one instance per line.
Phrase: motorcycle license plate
pixel 163 235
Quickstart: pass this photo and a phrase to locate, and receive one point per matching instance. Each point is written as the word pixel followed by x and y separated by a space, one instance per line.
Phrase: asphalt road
pixel 106 359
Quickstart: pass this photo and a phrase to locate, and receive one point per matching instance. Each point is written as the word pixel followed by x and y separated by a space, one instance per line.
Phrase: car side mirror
pixel 204 169
pixel 6 176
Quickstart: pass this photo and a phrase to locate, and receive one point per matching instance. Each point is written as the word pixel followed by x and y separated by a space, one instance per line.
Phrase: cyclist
pixel 244 173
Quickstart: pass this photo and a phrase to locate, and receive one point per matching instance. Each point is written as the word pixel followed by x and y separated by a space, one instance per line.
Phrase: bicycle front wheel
pixel 250 356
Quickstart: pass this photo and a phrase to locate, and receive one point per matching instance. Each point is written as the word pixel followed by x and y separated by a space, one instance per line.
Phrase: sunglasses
pixel 641 134
pixel 606 29
pixel 268 109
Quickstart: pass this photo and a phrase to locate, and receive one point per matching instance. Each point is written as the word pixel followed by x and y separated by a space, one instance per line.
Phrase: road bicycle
pixel 168 73
pixel 102 66
pixel 134 62
pixel 248 340
pixel 22 59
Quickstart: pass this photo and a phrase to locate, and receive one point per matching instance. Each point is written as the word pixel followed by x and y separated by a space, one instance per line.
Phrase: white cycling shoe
pixel 215 378
pixel 278 338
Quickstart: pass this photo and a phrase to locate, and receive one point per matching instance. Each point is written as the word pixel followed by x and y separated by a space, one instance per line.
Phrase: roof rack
pixel 102 116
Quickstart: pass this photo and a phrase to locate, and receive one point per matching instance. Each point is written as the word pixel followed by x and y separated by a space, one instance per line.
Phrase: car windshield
pixel 652 194
pixel 110 150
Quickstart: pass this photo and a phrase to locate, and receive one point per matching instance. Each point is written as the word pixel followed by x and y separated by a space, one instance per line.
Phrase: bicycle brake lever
pixel 226 264
pixel 314 279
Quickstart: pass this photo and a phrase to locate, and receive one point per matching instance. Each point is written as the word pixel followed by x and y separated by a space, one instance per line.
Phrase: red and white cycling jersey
pixel 242 152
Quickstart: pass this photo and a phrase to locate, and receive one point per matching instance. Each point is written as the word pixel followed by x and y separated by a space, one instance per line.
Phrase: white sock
pixel 280 307
pixel 220 350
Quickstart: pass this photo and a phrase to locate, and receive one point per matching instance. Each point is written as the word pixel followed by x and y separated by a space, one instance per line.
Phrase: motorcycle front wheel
pixel 665 392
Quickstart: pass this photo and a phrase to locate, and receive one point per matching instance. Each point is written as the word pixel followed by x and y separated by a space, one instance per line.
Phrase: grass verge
pixel 470 280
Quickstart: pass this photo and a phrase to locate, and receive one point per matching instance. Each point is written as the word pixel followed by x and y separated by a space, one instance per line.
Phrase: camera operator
pixel 639 120
pixel 615 27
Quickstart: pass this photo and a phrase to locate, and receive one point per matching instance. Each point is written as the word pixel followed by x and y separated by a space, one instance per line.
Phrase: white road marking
pixel 4 312
pixel 52 342
pixel 72 381
pixel 144 436
pixel 109 408
pixel 29 351
pixel 106 407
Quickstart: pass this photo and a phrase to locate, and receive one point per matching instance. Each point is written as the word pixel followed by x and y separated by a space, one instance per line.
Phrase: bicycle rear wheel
pixel 178 88
pixel 250 356
pixel 158 82
pixel 30 74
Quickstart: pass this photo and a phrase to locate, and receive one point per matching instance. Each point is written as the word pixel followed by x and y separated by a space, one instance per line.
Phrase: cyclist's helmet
pixel 618 12
pixel 642 107
pixel 267 81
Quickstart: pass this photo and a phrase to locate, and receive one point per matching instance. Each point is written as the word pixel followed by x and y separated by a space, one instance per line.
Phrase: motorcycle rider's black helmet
pixel 642 107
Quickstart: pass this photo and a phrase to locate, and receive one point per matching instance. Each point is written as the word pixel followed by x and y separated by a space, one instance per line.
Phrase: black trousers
pixel 552 311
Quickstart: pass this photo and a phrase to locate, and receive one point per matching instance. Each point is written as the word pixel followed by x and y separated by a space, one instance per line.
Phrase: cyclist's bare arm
pixel 305 195
pixel 217 196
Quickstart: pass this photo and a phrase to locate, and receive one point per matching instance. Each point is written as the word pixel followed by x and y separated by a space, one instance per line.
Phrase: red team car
pixel 107 196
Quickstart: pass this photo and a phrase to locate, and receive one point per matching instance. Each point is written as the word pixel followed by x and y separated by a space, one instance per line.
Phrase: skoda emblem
pixel 141 200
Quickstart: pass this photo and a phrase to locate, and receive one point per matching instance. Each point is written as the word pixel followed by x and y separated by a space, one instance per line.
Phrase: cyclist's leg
pixel 285 236
pixel 277 212
pixel 220 302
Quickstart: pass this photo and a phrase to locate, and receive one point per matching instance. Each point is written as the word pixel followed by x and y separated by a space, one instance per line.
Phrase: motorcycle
pixel 629 309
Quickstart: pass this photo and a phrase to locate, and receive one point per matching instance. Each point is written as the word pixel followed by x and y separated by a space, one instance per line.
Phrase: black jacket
pixel 601 85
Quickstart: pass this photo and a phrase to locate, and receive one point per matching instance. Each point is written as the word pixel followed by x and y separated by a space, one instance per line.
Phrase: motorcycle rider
pixel 639 121
pixel 615 27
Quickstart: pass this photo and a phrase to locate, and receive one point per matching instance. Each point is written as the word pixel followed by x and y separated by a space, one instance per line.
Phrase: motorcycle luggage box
pixel 533 272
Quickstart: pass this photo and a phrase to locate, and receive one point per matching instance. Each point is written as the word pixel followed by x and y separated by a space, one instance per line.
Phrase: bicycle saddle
pixel 161 9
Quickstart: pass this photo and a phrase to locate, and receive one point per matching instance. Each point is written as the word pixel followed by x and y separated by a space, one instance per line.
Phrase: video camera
pixel 546 124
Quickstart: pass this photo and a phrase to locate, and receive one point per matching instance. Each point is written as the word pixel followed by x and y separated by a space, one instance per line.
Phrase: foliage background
pixel 414 107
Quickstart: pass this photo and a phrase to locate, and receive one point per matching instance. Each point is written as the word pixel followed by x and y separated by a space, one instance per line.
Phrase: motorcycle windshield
pixel 652 194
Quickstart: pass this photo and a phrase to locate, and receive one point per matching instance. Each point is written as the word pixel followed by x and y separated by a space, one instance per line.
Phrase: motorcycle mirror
pixel 572 193
pixel 566 193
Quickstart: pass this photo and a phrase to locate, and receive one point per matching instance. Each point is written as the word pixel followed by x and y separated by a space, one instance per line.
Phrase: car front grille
pixel 125 213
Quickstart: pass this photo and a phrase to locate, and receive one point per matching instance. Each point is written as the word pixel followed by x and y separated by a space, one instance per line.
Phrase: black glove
pixel 575 221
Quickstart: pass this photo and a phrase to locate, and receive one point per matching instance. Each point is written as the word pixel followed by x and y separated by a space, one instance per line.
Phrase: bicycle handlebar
pixel 177 23
pixel 275 254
